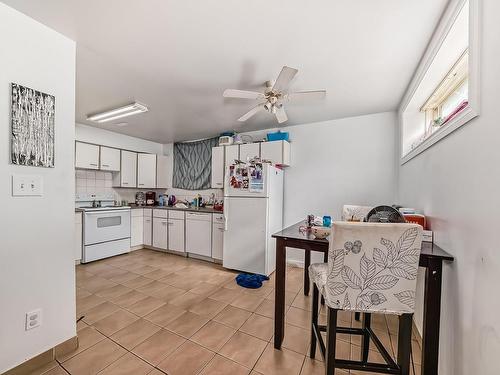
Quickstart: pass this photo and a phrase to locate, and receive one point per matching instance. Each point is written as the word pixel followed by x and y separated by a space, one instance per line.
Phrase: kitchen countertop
pixel 191 209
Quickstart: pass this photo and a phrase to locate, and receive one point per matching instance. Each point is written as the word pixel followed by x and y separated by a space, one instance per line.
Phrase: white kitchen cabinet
pixel 232 153
pixel 176 234
pixel 78 236
pixel 163 173
pixel 136 227
pixel 249 151
pixel 217 167
pixel 146 171
pixel 110 159
pixel 217 235
pixel 160 233
pixel 148 227
pixel 199 233
pixel 86 155
pixel 276 151
pixel 128 172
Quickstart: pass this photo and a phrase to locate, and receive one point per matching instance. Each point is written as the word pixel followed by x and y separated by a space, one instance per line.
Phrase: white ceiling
pixel 178 56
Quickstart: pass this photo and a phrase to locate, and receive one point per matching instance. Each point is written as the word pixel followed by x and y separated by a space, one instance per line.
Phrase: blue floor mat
pixel 251 281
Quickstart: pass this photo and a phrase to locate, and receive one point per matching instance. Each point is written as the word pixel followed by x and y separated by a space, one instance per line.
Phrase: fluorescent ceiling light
pixel 128 110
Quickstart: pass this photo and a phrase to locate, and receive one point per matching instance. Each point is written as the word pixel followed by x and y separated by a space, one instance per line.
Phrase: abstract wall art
pixel 32 127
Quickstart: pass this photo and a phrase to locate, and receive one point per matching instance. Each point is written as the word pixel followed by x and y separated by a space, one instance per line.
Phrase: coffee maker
pixel 140 198
pixel 150 198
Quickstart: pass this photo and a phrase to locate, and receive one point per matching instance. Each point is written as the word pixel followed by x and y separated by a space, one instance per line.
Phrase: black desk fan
pixel 384 214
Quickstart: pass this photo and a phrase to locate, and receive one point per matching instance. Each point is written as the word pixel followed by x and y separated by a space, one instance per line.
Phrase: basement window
pixel 444 92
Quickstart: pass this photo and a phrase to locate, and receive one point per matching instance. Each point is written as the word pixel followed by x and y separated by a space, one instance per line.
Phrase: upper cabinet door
pixel 163 172
pixel 249 151
pixel 146 171
pixel 128 175
pixel 218 167
pixel 86 156
pixel 110 159
pixel 276 151
pixel 232 153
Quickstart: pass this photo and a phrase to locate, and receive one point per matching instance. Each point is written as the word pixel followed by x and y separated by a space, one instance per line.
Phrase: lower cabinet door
pixel 217 238
pixel 148 231
pixel 176 235
pixel 137 231
pixel 160 230
pixel 199 237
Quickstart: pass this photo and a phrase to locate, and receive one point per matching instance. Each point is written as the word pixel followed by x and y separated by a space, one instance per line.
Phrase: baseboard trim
pixel 45 358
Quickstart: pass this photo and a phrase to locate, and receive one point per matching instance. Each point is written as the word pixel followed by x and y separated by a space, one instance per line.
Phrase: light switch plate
pixel 27 185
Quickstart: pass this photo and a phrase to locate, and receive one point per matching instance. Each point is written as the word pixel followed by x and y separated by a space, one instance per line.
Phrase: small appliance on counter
pixel 140 199
pixel 162 200
pixel 171 200
pixel 150 198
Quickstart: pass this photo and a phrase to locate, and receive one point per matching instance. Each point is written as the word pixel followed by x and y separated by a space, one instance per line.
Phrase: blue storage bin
pixel 277 136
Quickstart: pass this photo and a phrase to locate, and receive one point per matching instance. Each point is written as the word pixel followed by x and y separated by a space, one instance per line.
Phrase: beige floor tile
pixel 204 289
pixel 181 281
pixel 373 356
pixel 100 311
pixel 266 308
pixel 127 276
pixel 94 267
pixel 289 297
pixel 86 303
pixel 129 364
pixel 313 367
pixel 186 300
pixel 145 306
pixel 208 307
pixel 132 335
pixel 157 347
pixel 97 283
pixel 167 293
pixel 187 324
pixel 136 282
pixel 144 270
pixel 296 339
pixel 112 273
pixel 415 347
pixel 113 292
pixel 259 326
pixel 150 287
pixel 279 362
pixel 243 349
pixel 157 274
pixel 223 366
pixel 58 370
pixel 232 317
pixel 225 295
pixel 302 302
pixel 298 317
pixel 115 322
pixel 213 336
pixel 94 359
pixel 188 359
pixel 343 350
pixel 81 325
pixel 247 302
pixel 128 299
pixel 87 337
pixel 80 293
pixel 165 314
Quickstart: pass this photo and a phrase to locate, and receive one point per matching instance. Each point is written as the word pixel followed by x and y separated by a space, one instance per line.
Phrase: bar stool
pixel 371 268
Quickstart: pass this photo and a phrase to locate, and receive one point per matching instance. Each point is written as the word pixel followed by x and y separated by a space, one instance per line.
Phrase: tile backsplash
pixel 98 185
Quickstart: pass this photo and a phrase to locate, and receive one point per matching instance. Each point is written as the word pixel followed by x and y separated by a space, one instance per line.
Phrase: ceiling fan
pixel 275 95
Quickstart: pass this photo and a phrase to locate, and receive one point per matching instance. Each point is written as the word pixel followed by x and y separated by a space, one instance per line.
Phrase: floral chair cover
pixel 372 267
pixel 355 213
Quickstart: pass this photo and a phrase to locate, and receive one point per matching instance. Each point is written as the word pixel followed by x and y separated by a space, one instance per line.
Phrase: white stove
pixel 106 232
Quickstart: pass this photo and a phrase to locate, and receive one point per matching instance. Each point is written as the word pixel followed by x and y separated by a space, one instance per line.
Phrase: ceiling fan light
pixel 268 106
pixel 273 109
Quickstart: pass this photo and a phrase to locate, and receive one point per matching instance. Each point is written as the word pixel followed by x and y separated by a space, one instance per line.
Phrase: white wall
pixel 104 137
pixel 456 182
pixel 346 161
pixel 36 260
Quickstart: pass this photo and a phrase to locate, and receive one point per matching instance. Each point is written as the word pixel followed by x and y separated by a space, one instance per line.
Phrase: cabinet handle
pixel 93 164
pixel 141 184
pixel 221 229
pixel 105 165
pixel 124 183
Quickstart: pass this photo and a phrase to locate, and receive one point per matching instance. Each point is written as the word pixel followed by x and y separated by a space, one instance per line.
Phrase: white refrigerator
pixel 253 211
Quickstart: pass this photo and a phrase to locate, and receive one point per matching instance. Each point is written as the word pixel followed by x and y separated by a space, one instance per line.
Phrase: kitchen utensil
pixel 320 232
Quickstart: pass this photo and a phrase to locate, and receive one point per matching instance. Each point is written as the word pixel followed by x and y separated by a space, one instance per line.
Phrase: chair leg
pixel 404 343
pixel 331 341
pixel 365 339
pixel 314 320
pixel 357 316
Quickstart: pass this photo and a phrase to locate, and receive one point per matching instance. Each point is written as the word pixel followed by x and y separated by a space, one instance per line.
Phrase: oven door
pixel 103 226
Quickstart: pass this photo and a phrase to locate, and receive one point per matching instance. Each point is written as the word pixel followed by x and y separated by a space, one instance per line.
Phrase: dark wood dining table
pixel 431 257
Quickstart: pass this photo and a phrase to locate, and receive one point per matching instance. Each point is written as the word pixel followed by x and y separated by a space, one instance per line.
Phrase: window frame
pixel 473 109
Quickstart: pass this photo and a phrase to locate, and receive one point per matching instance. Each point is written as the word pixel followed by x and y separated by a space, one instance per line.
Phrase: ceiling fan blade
pixel 308 94
pixel 242 94
pixel 283 80
pixel 281 115
pixel 252 112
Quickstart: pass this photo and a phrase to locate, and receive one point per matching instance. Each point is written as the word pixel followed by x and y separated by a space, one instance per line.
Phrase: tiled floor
pixel 153 313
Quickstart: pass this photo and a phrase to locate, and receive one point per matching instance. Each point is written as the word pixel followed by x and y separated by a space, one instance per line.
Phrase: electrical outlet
pixel 33 319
